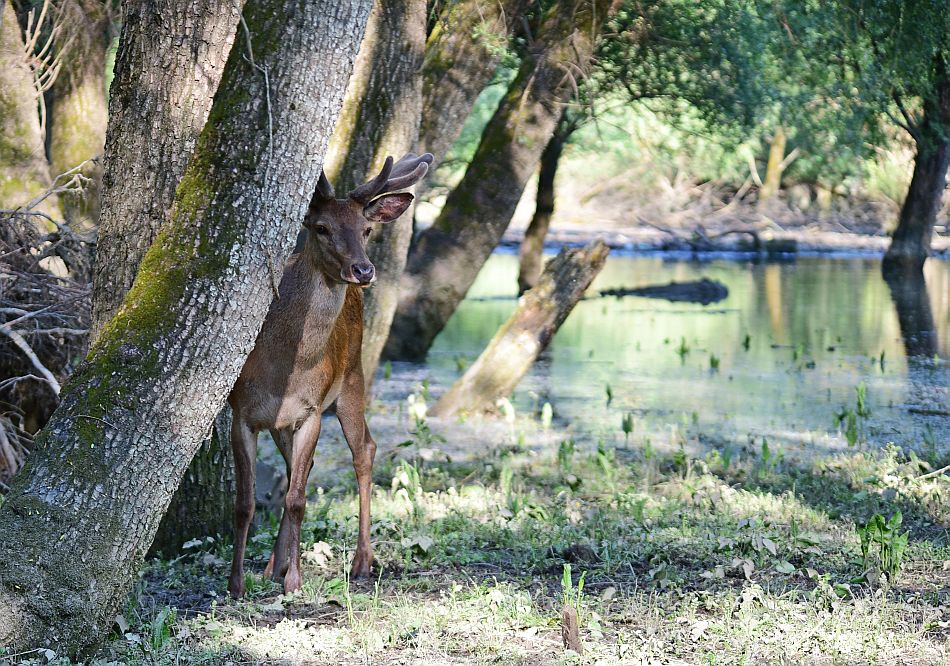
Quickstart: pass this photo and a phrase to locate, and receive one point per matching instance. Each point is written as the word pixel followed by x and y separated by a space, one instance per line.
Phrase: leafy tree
pixel 885 61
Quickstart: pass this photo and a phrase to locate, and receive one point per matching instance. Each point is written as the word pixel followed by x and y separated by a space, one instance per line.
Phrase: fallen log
pixel 704 291
pixel 517 344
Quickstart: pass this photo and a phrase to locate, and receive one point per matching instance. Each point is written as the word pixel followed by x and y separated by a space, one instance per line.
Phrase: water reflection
pixel 793 341
pixel 914 314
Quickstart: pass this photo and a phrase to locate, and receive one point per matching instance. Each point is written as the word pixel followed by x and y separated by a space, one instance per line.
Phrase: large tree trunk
pixel 24 172
pixel 380 117
pixel 532 245
pixel 203 504
pixel 444 262
pixel 462 53
pixel 159 106
pixel 78 112
pixel 168 66
pixel 517 344
pixel 910 245
pixel 82 514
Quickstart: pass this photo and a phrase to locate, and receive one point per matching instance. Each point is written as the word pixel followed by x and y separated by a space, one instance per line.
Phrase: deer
pixel 308 356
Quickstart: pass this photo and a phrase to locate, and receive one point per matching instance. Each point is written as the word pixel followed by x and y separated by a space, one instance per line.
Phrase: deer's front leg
pixel 295 502
pixel 244 445
pixel 350 411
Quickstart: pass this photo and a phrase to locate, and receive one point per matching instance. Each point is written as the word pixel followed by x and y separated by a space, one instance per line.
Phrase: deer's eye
pixel 367 232
pixel 322 230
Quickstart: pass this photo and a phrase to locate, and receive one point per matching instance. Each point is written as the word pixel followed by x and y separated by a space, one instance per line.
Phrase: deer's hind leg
pixel 350 410
pixel 244 446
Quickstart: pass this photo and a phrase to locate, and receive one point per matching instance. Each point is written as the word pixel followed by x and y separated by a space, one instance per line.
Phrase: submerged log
pixel 517 344
pixel 704 291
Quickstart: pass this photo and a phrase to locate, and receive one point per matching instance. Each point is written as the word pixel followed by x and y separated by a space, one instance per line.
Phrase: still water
pixel 793 341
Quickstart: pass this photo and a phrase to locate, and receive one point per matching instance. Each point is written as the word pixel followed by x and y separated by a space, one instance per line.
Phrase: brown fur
pixel 308 355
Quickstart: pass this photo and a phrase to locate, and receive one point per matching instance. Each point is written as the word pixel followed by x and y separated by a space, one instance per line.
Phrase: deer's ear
pixel 387 207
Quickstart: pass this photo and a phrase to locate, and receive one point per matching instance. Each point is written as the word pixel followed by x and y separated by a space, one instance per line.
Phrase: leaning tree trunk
pixel 444 262
pixel 81 515
pixel 517 344
pixel 159 101
pixel 532 245
pixel 910 245
pixel 78 110
pixel 159 106
pixel 24 172
pixel 462 53
pixel 380 117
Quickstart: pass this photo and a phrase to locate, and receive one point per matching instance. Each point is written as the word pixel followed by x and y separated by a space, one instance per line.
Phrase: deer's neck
pixel 302 318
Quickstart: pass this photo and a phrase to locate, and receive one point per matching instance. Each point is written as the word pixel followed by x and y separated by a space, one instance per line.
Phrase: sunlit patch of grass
pixel 734 558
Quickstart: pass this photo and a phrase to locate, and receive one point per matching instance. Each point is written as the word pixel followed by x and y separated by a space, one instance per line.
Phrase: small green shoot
pixel 547 415
pixel 626 424
pixel 683 349
pixel 573 596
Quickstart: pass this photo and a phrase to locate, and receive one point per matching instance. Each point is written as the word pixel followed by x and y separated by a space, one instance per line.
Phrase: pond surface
pixel 793 342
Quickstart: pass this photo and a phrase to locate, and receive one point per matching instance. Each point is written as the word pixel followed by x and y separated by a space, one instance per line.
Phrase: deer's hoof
pixel 292 581
pixel 362 565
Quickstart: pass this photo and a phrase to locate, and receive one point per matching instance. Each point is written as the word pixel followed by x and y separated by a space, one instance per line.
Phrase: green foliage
pixel 883 545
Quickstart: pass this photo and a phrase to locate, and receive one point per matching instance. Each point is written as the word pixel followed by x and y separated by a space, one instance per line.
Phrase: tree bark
pixel 444 262
pixel 24 172
pixel 380 117
pixel 203 504
pixel 159 106
pixel 462 53
pixel 773 168
pixel 168 66
pixel 910 245
pixel 532 245
pixel 81 515
pixel 517 344
pixel 78 110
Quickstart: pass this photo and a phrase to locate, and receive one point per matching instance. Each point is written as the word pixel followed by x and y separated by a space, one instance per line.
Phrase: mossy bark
pixel 160 98
pixel 81 516
pixel 78 108
pixel 462 52
pixel 159 106
pixel 517 344
pixel 446 258
pixel 532 245
pixel 380 117
pixel 24 172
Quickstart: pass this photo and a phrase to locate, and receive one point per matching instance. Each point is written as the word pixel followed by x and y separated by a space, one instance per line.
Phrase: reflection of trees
pixel 909 293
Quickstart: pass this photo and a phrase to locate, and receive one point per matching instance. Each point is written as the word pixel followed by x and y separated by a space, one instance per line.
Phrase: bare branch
pixel 24 346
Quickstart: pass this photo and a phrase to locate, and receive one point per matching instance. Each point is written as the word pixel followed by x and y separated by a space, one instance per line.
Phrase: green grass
pixel 723 560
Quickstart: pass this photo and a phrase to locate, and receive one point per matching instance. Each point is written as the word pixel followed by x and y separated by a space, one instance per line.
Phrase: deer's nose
pixel 364 272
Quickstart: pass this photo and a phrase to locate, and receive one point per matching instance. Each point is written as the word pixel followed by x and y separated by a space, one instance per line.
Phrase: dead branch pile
pixel 44 319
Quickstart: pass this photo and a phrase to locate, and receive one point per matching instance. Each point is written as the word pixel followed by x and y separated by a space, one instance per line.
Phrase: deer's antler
pixel 404 173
